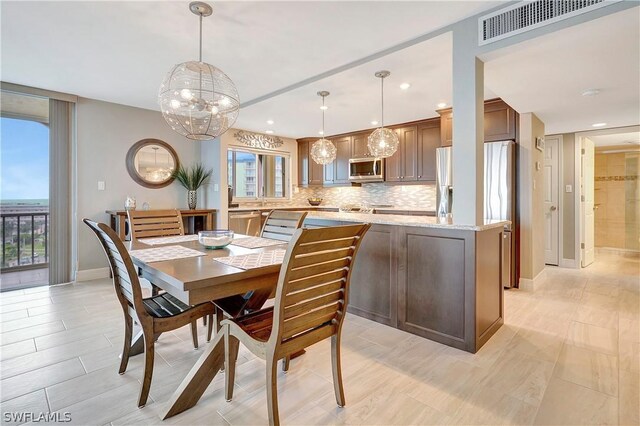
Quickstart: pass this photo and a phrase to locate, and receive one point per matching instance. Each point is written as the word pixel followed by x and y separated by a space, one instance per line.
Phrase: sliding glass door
pixel 24 191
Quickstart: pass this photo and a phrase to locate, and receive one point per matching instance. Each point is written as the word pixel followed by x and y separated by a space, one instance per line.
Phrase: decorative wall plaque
pixel 257 140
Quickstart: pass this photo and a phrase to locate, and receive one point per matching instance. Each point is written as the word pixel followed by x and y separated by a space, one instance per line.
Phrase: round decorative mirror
pixel 151 162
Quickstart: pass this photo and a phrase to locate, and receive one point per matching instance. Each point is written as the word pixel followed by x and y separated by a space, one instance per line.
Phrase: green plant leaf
pixel 192 177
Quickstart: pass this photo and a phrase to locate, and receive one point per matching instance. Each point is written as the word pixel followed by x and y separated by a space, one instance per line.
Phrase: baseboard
pixel 530 284
pixel 618 251
pixel 569 263
pixel 92 274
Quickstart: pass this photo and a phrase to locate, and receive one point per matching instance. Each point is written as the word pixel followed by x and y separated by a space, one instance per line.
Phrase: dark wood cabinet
pixel 341 164
pixel 329 173
pixel 401 166
pixel 309 173
pixel 303 163
pixel 428 141
pixel 446 127
pixel 500 123
pixel 373 289
pixel 359 148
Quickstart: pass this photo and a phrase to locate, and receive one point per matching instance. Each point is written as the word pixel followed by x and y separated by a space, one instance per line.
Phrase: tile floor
pixel 569 353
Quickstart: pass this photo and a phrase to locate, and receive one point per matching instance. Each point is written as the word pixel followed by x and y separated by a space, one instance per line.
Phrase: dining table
pixel 202 279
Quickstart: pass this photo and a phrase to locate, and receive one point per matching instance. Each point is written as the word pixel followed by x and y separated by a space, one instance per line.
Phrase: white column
pixel 468 128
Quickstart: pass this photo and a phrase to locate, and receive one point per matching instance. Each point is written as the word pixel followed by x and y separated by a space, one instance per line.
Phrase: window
pixel 254 174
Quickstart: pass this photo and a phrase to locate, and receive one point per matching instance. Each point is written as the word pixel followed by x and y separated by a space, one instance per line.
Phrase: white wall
pixel 105 132
pixel 531 198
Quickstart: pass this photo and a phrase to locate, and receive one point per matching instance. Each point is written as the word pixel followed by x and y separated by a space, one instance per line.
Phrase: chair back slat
pixel 280 225
pixel 125 277
pixel 314 281
pixel 155 223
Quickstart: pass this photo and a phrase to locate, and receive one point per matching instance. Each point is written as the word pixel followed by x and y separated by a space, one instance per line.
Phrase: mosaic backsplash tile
pixel 400 196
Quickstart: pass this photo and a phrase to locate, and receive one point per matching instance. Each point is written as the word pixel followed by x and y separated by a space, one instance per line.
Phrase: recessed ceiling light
pixel 321 132
pixel 324 107
pixel 442 105
pixel 598 124
pixel 405 86
pixel 269 132
pixel 591 92
pixel 269 122
pixel 374 123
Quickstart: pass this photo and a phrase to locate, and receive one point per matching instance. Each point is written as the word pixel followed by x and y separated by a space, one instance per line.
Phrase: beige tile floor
pixel 569 353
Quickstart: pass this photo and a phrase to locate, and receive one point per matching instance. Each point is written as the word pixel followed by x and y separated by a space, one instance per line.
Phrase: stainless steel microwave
pixel 366 170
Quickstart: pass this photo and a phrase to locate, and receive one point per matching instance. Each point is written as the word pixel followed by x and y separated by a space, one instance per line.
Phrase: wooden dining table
pixel 201 279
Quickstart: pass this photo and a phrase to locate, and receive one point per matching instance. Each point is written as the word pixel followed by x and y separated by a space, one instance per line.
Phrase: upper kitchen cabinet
pixel 500 123
pixel 303 163
pixel 428 140
pixel 446 127
pixel 359 148
pixel 337 172
pixel 401 166
pixel 309 172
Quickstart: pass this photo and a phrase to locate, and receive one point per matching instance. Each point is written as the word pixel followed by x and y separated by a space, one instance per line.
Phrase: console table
pixel 193 221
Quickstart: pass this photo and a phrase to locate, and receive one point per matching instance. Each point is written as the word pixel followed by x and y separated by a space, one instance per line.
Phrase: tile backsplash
pixel 400 196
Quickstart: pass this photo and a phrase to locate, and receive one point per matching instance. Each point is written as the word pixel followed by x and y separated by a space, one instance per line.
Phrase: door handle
pixel 553 208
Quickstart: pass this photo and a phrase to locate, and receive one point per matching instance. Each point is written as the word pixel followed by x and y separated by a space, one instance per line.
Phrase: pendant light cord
pixel 200 46
pixel 323 109
pixel 382 96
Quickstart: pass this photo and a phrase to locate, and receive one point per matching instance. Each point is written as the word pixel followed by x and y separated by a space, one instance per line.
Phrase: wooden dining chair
pixel 159 223
pixel 310 306
pixel 155 223
pixel 279 225
pixel 156 314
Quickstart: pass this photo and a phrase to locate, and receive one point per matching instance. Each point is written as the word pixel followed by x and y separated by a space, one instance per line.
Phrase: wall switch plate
pixel 101 185
pixel 568 188
pixel 216 188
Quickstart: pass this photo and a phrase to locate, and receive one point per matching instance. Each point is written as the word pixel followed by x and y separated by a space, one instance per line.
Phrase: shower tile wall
pixel 400 196
pixel 617 201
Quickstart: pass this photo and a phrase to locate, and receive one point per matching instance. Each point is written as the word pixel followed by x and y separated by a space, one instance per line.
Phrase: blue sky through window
pixel 24 163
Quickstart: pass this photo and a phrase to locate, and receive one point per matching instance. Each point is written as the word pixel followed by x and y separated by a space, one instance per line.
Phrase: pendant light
pixel 382 142
pixel 197 99
pixel 323 151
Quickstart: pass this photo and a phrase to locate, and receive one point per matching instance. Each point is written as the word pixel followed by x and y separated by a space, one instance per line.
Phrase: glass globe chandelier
pixel 198 100
pixel 382 142
pixel 323 151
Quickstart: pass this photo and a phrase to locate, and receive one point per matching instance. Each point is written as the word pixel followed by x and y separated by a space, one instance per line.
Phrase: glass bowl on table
pixel 215 239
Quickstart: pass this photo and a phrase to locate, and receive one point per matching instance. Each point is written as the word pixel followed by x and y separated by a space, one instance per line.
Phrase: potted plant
pixel 192 178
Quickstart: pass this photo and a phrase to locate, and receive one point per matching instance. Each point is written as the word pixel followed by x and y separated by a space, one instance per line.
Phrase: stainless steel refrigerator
pixel 499 194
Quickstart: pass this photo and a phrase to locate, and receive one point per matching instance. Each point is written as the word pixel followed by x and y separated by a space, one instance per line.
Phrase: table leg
pixel 198 379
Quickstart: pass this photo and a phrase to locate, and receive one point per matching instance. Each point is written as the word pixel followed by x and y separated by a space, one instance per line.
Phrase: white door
pixel 551 212
pixel 588 217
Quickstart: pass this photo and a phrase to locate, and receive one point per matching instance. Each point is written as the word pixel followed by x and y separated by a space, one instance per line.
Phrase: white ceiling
pixel 616 139
pixel 548 74
pixel 120 51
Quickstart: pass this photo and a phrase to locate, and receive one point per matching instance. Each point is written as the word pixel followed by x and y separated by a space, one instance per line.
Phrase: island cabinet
pixel 500 123
pixel 309 172
pixel 440 283
pixel 401 166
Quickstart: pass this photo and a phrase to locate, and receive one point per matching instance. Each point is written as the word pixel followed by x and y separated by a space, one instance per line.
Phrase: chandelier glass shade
pixel 323 151
pixel 382 142
pixel 198 100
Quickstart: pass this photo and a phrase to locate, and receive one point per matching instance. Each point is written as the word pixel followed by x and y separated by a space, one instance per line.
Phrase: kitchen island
pixel 430 277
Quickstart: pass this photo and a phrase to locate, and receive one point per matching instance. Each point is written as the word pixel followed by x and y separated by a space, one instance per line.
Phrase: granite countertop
pixel 309 207
pixel 403 220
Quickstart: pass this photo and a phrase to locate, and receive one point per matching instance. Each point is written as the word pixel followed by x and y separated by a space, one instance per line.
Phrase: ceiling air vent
pixel 527 15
